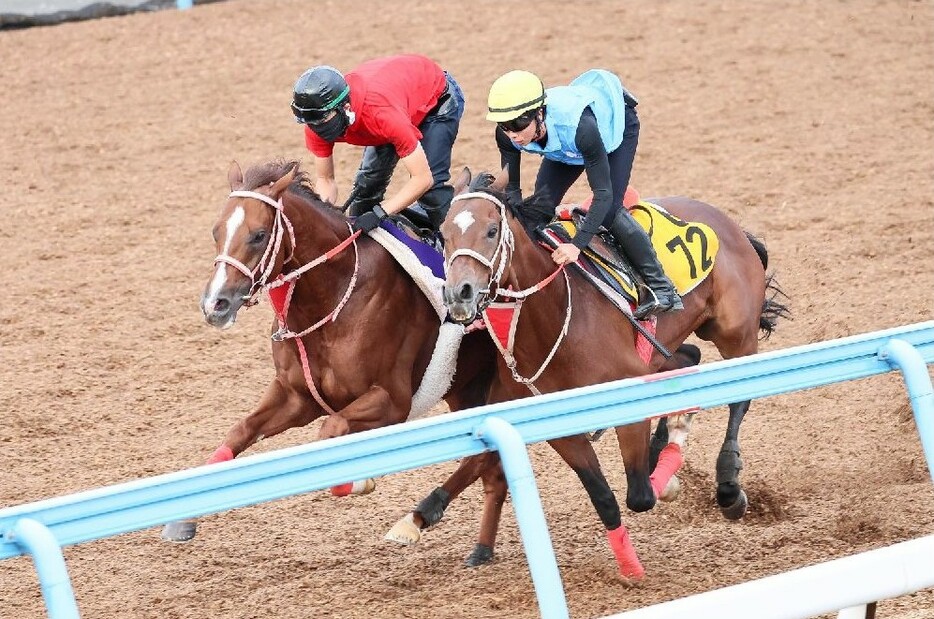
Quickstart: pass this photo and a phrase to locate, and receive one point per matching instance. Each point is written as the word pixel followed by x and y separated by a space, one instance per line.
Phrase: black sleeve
pixel 597 167
pixel 509 155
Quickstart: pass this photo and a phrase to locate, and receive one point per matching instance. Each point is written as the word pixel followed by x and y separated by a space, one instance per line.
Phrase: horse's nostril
pixel 221 306
pixel 466 292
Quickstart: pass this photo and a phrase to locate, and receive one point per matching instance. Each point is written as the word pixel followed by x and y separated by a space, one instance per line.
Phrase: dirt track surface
pixel 812 123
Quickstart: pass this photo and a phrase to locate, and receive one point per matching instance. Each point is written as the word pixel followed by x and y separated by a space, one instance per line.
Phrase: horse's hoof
pixel 481 555
pixel 180 531
pixel 738 509
pixel 671 491
pixel 632 580
pixel 404 532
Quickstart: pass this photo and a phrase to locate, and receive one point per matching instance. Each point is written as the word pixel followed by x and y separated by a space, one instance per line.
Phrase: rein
pixel 281 300
pixel 504 250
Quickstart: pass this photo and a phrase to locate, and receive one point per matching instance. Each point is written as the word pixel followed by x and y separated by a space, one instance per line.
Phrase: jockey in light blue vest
pixel 589 125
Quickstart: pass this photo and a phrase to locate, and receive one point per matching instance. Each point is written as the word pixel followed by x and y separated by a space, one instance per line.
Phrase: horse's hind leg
pixel 279 409
pixel 430 510
pixel 733 343
pixel 672 431
pixel 730 495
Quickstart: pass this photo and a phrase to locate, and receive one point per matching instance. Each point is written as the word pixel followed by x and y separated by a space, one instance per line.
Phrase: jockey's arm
pixel 420 181
pixel 325 184
pixel 597 168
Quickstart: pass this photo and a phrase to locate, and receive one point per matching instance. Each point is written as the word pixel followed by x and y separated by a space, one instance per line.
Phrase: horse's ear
pixel 234 176
pixel 501 180
pixel 462 181
pixel 282 184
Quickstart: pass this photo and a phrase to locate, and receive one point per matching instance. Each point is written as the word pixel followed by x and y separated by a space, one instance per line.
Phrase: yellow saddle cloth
pixel 687 250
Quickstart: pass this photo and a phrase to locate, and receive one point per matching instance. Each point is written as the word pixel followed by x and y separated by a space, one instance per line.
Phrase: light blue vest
pixel 605 95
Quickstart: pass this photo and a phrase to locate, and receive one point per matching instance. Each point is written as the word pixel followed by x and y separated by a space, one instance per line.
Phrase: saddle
pixel 686 250
pixel 413 220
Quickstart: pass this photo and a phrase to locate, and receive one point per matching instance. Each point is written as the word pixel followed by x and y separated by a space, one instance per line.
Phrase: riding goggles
pixel 519 123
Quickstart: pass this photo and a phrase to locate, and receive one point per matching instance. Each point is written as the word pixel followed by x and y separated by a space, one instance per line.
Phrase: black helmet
pixel 317 91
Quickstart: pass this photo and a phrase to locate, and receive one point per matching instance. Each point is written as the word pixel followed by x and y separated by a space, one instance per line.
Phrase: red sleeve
pixel 317 146
pixel 398 130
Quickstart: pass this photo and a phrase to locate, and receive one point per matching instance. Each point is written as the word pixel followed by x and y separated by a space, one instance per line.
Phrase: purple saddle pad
pixel 427 255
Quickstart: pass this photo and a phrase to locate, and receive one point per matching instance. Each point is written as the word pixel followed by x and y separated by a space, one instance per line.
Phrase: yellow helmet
pixel 514 93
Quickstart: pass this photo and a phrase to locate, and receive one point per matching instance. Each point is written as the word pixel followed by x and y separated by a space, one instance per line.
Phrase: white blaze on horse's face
pixel 219 281
pixel 464 220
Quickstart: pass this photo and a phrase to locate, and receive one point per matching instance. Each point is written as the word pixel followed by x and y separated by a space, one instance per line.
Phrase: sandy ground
pixel 810 122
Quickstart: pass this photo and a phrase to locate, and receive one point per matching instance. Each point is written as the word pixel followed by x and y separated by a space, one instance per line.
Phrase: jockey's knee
pixel 436 202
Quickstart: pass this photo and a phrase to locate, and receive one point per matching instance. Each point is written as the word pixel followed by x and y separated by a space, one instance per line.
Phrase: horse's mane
pixel 532 212
pixel 267 173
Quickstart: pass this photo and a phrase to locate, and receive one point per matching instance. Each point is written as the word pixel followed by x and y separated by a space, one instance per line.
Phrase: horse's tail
pixel 772 308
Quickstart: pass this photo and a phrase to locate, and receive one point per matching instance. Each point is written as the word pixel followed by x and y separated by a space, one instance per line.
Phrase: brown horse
pixel 489 251
pixel 352 340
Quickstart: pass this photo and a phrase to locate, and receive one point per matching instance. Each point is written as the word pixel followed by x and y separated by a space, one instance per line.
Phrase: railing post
pixel 902 355
pixel 527 505
pixel 39 542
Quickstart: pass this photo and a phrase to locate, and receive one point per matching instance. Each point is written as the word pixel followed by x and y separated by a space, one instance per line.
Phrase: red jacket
pixel 389 97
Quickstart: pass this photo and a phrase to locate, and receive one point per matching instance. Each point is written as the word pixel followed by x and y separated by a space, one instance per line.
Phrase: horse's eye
pixel 258 237
pixel 492 232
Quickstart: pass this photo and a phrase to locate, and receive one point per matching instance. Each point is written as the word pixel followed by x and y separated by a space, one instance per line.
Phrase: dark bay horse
pixel 488 249
pixel 352 339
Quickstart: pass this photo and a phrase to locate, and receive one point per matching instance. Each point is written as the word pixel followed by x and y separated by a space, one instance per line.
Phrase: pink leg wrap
pixel 343 489
pixel 669 461
pixel 221 454
pixel 629 565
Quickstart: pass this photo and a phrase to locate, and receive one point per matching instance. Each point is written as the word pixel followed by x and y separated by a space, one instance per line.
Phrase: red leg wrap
pixel 343 489
pixel 669 461
pixel 629 565
pixel 221 454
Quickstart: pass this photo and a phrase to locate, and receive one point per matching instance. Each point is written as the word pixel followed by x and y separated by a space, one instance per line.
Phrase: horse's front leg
pixel 279 409
pixel 373 409
pixel 730 494
pixel 634 447
pixel 578 452
pixel 430 510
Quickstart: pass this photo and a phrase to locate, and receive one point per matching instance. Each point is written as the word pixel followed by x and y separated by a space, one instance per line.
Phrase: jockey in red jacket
pixel 398 107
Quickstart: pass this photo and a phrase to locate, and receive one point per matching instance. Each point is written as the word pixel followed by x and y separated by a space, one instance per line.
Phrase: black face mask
pixel 333 128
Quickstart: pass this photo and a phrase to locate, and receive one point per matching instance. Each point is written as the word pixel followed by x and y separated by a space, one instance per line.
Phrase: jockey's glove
pixel 370 220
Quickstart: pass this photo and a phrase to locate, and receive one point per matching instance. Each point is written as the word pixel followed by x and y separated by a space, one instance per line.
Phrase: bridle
pixel 268 261
pixel 503 253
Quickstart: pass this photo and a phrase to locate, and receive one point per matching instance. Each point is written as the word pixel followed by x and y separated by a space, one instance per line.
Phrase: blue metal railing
pixel 144 503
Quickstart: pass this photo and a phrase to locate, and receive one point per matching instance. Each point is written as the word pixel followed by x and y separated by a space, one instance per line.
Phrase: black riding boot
pixel 436 202
pixel 637 247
